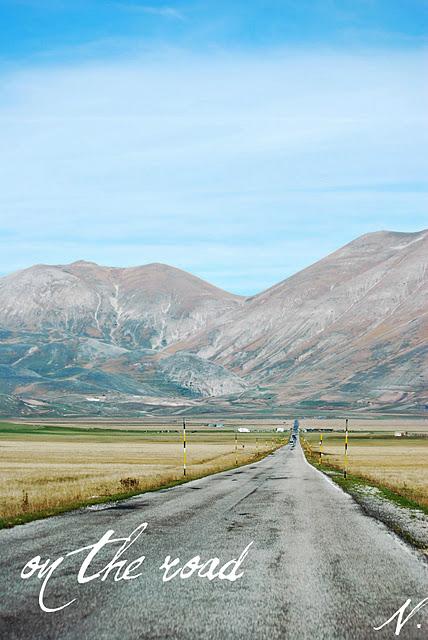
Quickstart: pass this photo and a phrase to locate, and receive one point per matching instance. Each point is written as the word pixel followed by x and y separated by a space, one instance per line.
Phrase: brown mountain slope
pixel 148 306
pixel 350 330
pixel 353 325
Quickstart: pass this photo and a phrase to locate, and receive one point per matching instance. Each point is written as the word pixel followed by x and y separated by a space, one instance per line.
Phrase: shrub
pixel 129 484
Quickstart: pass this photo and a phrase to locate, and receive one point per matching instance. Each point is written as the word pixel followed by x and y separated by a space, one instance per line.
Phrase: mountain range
pixel 348 332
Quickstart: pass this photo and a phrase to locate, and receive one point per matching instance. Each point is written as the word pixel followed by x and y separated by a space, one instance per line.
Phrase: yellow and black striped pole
pixel 320 448
pixel 345 464
pixel 184 447
pixel 236 449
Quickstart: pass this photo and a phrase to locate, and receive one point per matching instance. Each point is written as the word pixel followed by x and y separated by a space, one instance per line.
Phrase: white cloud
pixel 162 11
pixel 173 157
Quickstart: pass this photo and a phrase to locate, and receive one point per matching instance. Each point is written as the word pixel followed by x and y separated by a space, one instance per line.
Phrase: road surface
pixel 318 567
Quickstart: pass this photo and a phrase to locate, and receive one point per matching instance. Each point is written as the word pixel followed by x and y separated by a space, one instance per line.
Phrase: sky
pixel 240 141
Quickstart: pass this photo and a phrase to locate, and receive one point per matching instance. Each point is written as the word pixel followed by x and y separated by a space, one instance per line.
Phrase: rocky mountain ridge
pixel 350 331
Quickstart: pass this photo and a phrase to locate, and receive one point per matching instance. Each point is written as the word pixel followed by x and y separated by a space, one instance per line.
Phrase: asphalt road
pixel 318 567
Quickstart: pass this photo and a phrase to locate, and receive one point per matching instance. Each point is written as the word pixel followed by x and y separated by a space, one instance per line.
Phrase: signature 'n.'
pixel 399 614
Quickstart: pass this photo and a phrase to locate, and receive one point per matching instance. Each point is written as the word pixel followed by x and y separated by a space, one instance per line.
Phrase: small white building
pixel 280 429
pixel 243 430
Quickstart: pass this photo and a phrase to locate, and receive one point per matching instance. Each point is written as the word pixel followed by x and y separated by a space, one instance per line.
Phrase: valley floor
pixel 318 568
pixel 49 469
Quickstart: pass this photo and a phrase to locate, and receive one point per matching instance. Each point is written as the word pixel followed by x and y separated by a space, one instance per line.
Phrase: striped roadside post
pixel 320 448
pixel 236 448
pixel 345 465
pixel 184 447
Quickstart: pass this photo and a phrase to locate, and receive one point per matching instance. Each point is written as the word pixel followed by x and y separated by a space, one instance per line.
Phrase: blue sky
pixel 240 141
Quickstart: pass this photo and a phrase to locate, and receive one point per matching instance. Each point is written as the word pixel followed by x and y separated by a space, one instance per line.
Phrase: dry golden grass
pixel 400 464
pixel 41 473
pixel 367 423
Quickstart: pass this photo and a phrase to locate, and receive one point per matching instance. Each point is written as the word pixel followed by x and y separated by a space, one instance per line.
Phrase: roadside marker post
pixel 184 447
pixel 345 465
pixel 236 449
pixel 320 448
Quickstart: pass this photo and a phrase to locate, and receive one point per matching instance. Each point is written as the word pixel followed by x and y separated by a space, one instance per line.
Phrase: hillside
pixel 351 327
pixel 349 331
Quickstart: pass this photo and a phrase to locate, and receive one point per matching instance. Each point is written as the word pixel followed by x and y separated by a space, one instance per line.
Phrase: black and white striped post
pixel 236 448
pixel 184 447
pixel 320 448
pixel 345 462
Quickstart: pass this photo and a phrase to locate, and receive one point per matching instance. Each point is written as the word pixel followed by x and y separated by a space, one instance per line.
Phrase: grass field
pixel 364 423
pixel 398 464
pixel 46 468
pixel 58 465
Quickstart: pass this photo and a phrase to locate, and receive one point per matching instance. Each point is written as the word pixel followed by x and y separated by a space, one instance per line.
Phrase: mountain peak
pixel 386 234
pixel 83 263
pixel 149 306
